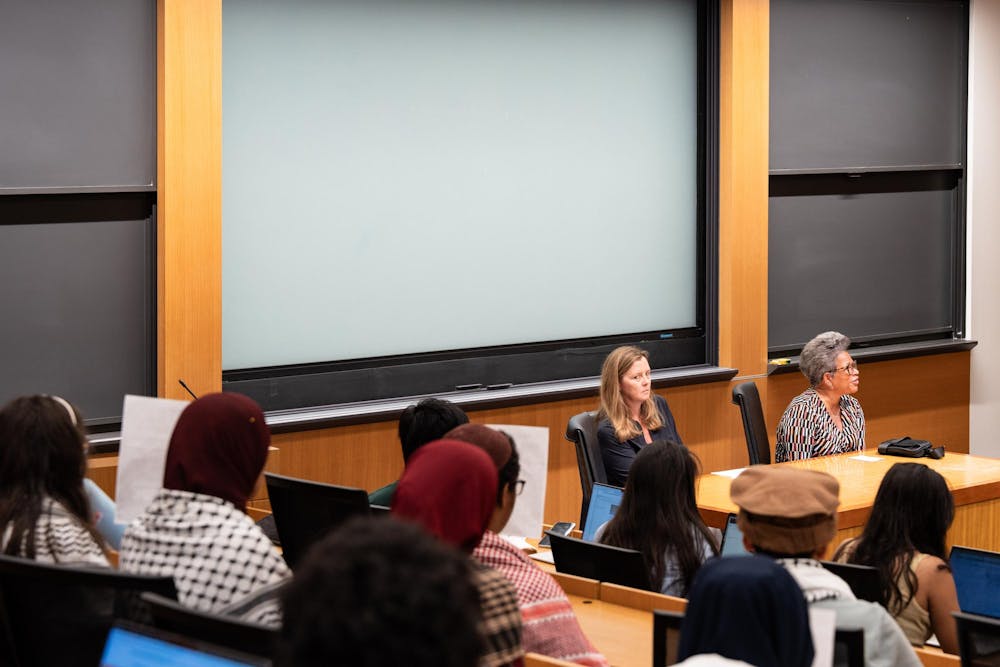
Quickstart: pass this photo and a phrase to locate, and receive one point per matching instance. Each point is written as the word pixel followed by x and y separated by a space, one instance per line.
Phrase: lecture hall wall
pixel 925 396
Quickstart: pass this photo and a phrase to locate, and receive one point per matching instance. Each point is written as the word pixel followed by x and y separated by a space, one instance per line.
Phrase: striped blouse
pixel 807 429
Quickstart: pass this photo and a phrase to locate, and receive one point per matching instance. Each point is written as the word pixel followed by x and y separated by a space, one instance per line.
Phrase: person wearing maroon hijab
pixel 196 529
pixel 449 488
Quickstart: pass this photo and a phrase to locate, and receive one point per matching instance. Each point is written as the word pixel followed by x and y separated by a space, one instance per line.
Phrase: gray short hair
pixel 819 356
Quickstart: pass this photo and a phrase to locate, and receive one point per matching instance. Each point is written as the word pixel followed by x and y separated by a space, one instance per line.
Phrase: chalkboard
pixel 867 153
pixel 79 95
pixel 867 83
pixel 77 194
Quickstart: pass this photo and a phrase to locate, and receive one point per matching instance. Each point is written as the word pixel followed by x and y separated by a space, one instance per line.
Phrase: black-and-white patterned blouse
pixel 807 429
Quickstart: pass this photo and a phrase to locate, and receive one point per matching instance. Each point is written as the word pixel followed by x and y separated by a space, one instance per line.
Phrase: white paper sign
pixel 533 450
pixel 823 626
pixel 147 424
pixel 731 474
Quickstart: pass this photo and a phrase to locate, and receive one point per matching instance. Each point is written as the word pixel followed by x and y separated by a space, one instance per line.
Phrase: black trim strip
pixel 888 353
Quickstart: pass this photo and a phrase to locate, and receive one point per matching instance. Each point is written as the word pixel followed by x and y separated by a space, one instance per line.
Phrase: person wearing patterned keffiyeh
pixel 550 626
pixel 44 511
pixel 195 529
pixel 448 488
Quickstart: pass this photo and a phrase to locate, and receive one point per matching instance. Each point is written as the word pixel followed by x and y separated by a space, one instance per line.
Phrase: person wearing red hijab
pixel 449 488
pixel 196 529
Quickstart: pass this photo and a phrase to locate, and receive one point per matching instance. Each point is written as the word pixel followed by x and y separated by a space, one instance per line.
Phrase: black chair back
pixel 61 614
pixel 849 648
pixel 223 631
pixel 582 432
pixel 305 511
pixel 747 397
pixel 862 579
pixel 978 639
pixel 666 636
pixel 599 561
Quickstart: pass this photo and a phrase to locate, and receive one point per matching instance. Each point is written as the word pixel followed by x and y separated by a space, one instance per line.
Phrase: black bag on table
pixel 910 447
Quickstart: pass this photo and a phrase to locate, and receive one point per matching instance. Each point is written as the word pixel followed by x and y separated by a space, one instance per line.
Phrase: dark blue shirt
pixel 618 455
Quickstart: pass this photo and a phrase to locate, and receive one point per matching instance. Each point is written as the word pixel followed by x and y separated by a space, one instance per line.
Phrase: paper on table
pixel 862 457
pixel 146 427
pixel 732 474
pixel 544 555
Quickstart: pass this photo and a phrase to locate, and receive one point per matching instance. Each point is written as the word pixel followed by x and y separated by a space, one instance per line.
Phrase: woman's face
pixel 845 377
pixel 635 383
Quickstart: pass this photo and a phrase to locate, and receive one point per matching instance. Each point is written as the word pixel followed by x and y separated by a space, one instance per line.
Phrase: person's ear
pixel 747 545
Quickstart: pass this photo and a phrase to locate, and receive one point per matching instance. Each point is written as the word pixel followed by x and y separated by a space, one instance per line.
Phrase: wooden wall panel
pixel 923 397
pixel 189 196
pixel 368 455
pixel 743 158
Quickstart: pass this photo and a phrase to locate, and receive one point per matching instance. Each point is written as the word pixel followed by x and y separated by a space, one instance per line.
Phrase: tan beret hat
pixel 786 510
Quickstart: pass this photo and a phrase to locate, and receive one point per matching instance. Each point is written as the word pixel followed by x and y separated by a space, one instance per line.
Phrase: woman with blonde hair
pixel 632 416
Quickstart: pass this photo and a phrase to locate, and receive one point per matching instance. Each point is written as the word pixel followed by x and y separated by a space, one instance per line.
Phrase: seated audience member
pixel 747 609
pixel 44 512
pixel 658 516
pixel 419 424
pixel 826 418
pixel 550 627
pixel 195 530
pixel 449 487
pixel 632 416
pixel 791 516
pixel 905 540
pixel 381 593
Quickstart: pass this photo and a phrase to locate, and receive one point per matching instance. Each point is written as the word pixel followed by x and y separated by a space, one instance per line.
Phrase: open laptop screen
pixel 977 580
pixel 130 645
pixel 604 501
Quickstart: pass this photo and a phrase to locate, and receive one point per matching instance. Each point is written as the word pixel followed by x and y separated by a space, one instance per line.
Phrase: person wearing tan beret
pixel 790 515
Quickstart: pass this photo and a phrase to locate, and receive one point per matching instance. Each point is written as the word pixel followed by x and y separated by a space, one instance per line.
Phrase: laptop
pixel 604 502
pixel 594 560
pixel 977 579
pixel 133 645
pixel 732 539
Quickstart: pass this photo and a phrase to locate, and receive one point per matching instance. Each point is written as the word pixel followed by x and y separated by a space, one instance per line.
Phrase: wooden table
pixel 974 482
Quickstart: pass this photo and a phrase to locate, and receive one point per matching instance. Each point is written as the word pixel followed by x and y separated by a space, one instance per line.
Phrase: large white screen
pixel 403 177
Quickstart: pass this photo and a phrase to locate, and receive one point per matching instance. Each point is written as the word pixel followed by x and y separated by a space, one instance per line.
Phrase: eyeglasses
pixel 517 486
pixel 850 368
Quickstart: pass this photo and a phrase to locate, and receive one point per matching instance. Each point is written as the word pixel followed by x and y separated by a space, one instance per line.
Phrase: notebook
pixel 732 539
pixel 131 645
pixel 604 501
pixel 977 579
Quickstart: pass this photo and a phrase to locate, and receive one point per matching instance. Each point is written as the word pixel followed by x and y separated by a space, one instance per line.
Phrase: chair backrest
pixel 863 580
pixel 849 648
pixel 582 432
pixel 747 397
pixel 305 511
pixel 599 561
pixel 978 639
pixel 666 636
pixel 61 614
pixel 225 631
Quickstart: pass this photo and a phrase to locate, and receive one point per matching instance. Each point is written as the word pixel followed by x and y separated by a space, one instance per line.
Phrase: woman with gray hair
pixel 826 418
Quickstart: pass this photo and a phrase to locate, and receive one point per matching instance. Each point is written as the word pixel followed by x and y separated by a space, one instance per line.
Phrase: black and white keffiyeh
pixel 215 553
pixel 61 538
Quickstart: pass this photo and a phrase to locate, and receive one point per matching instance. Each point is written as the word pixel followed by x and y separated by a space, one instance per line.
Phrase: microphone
pixel 188 389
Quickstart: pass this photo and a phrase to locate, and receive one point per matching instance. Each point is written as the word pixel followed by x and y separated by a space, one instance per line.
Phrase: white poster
pixel 533 449
pixel 147 424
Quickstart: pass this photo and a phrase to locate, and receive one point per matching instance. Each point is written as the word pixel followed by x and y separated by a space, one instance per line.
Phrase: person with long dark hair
pixel 44 512
pixel 658 517
pixel 904 539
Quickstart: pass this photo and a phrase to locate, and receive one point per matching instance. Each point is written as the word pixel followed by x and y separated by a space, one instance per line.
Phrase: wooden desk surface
pixel 974 482
pixel 624 635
